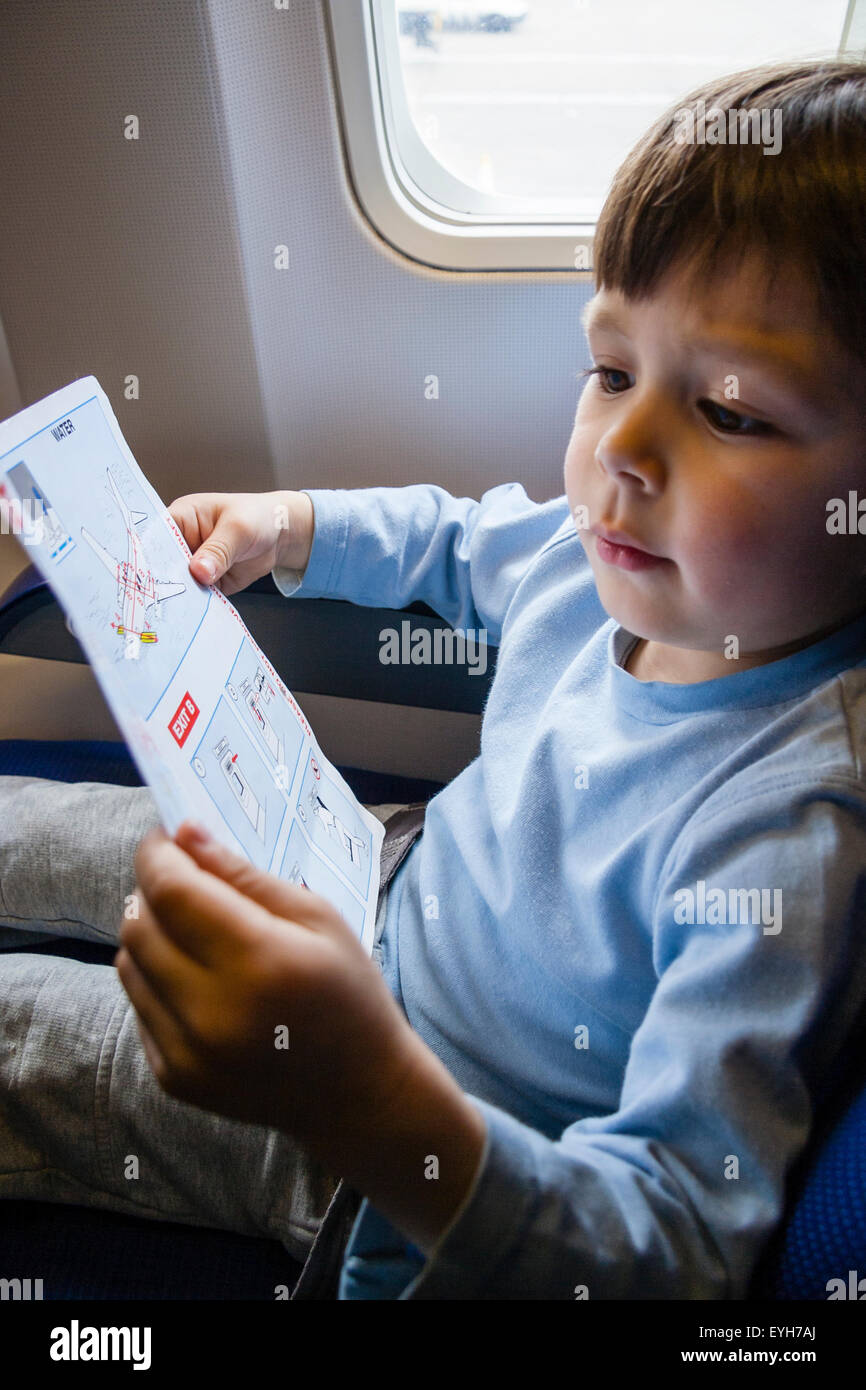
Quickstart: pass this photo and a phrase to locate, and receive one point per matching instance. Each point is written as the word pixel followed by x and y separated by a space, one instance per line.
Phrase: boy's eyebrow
pixel 774 351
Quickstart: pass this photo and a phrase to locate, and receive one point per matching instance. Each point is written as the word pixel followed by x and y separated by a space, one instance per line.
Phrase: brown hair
pixel 673 202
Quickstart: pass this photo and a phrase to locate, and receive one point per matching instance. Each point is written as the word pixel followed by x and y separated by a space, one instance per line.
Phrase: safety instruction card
pixel 212 728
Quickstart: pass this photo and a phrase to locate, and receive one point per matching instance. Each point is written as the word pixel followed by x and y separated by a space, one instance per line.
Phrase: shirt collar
pixel 789 678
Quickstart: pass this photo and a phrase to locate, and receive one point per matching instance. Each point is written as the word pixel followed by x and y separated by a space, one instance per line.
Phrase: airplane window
pixel 542 99
pixel 483 136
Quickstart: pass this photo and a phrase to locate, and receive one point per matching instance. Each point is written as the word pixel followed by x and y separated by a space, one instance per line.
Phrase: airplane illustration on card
pixel 139 593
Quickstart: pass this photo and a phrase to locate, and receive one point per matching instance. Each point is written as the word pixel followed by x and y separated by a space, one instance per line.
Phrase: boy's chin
pixel 630 616
pixel 657 632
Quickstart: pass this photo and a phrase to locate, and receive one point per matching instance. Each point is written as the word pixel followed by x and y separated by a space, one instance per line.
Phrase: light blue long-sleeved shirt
pixel 632 928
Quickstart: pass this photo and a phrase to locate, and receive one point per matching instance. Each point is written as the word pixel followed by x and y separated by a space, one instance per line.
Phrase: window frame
pixel 428 226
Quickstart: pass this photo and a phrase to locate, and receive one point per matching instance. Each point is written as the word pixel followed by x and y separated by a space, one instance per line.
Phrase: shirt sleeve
pixel 387 547
pixel 675 1194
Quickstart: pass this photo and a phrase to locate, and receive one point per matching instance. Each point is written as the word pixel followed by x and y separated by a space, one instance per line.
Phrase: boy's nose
pixel 634 446
pixel 630 461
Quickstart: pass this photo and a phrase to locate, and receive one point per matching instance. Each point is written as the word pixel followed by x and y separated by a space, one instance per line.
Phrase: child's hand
pixel 254 998
pixel 236 537
pixel 226 964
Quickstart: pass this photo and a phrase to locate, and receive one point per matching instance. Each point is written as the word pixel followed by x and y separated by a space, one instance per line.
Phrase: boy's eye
pixel 604 374
pixel 728 421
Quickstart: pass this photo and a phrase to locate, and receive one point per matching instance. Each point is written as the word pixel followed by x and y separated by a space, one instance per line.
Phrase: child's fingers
pixel 155 1059
pixel 286 900
pixel 156 1023
pixel 204 916
pixel 171 974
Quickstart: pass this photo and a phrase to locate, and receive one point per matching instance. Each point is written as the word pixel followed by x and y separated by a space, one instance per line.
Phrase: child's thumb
pixel 204 565
pixel 217 554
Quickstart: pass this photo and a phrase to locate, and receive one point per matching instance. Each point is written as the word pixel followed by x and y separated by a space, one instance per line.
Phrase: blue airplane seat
pixel 823 1236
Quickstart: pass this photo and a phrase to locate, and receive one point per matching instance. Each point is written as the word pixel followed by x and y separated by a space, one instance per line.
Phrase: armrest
pixel 319 646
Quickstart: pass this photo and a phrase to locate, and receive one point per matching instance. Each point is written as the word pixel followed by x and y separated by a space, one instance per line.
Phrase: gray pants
pixel 82 1118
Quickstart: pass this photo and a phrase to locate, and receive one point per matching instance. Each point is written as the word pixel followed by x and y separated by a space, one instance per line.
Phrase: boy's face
pixel 726 419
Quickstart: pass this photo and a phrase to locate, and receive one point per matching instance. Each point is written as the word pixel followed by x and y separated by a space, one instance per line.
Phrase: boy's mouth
pixel 617 549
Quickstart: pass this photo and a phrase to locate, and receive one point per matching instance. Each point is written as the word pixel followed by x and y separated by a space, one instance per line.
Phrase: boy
pixel 617 966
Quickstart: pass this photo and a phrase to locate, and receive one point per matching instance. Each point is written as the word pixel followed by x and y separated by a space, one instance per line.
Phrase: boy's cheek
pixel 580 451
pixel 724 534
